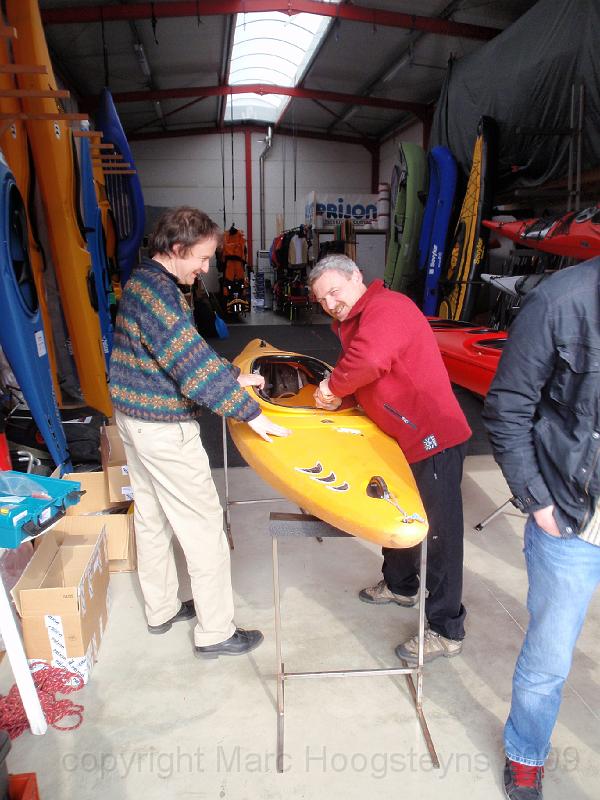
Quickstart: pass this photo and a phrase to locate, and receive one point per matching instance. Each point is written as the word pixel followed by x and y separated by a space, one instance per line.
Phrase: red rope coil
pixel 48 682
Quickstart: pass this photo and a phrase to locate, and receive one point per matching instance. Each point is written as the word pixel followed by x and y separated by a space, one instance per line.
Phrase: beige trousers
pixel 174 494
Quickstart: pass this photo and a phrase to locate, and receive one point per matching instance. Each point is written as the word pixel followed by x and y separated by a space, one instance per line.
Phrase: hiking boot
pixel 187 611
pixel 381 594
pixel 522 782
pixel 434 646
pixel 239 644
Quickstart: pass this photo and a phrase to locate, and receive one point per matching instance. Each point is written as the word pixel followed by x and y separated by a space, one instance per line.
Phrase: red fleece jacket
pixel 391 363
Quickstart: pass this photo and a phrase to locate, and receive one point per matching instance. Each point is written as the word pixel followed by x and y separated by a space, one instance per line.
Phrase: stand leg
pixel 280 670
pixel 20 667
pixel 417 694
pixel 481 525
pixel 422 593
pixel 226 471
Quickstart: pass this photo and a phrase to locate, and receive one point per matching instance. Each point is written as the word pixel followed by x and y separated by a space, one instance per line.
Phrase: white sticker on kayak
pixel 349 430
pixel 41 343
pixel 124 470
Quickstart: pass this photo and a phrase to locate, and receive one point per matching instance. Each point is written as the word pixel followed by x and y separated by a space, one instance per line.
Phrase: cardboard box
pixel 114 464
pixel 95 513
pixel 62 599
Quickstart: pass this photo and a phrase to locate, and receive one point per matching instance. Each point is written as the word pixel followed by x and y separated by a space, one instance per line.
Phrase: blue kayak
pixel 124 191
pixel 436 221
pixel 21 330
pixel 96 244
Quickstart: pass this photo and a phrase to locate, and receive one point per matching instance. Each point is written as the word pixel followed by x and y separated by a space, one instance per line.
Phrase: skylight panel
pixel 270 48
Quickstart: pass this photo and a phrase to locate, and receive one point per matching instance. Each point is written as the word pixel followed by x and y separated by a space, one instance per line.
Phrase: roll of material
pixel 383 206
pixel 383 222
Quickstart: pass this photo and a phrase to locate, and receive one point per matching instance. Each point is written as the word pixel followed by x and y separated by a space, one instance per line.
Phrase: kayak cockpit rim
pixel 290 380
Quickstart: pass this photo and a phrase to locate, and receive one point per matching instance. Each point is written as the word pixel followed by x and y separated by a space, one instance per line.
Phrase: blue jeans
pixel 563 574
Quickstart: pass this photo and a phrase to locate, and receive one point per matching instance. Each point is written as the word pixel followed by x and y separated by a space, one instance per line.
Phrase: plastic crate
pixel 23 786
pixel 23 516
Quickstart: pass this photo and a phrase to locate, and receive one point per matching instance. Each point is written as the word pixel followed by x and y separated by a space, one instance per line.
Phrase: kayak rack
pixel 286 525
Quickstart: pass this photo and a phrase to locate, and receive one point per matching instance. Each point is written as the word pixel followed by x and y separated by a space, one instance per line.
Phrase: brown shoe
pixel 381 594
pixel 434 646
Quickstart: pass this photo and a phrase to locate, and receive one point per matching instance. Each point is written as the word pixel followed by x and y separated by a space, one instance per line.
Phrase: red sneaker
pixel 522 782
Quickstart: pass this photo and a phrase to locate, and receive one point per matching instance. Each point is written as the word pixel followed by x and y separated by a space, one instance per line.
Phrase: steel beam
pixel 176 133
pixel 205 8
pixel 419 109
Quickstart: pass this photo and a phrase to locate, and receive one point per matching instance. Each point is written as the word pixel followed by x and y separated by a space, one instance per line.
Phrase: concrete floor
pixel 160 724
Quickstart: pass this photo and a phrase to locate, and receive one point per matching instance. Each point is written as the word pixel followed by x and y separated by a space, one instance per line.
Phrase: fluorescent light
pixel 395 68
pixel 142 60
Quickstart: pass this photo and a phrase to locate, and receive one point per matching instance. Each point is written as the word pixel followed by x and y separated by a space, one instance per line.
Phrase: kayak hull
pixel 21 330
pixel 470 353
pixel 572 235
pixel 326 464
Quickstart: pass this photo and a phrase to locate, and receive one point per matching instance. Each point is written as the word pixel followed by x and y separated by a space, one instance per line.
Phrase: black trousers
pixel 438 479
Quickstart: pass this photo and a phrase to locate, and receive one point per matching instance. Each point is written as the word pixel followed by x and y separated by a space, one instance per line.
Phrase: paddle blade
pixel 221 328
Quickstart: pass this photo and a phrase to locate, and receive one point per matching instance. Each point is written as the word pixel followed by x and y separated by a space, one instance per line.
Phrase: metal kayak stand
pixel 287 525
pixel 283 525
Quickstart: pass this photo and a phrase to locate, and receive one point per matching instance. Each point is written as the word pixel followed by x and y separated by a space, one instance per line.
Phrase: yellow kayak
pixel 338 466
pixel 54 157
pixel 13 141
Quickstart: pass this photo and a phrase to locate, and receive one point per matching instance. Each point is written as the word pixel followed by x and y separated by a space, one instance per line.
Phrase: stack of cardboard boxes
pixel 63 594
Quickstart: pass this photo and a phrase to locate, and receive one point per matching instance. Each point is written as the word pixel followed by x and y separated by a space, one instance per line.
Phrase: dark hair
pixel 184 226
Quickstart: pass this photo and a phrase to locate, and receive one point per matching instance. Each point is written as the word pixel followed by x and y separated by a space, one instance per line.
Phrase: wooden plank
pixel 43 93
pixel 44 116
pixel 23 69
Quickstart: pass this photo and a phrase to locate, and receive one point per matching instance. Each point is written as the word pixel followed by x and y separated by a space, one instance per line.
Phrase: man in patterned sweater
pixel 162 372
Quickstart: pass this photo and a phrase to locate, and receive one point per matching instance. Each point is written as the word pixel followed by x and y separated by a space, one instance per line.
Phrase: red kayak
pixel 575 234
pixel 470 352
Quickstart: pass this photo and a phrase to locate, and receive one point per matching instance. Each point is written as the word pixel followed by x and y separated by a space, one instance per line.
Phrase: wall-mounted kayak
pixel 328 463
pixel 108 220
pixel 15 147
pixel 55 165
pixel 470 353
pixel 124 191
pixel 409 185
pixel 436 220
pixel 469 243
pixel 21 330
pixel 575 234
pixel 96 242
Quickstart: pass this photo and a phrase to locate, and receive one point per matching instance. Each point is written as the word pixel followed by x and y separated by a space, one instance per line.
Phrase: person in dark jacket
pixel 543 417
pixel 162 373
pixel 391 363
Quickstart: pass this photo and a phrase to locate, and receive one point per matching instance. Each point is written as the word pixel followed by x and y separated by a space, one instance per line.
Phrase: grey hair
pixel 334 261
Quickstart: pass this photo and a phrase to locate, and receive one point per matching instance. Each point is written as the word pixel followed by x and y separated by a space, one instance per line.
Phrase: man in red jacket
pixel 392 365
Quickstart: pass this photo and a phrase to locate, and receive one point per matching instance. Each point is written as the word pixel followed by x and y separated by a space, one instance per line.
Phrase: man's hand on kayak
pixel 266 428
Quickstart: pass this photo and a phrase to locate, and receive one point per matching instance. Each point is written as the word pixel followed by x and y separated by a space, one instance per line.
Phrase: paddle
pixel 220 326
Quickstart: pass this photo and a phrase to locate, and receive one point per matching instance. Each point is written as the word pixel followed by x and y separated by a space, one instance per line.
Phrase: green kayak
pixel 409 190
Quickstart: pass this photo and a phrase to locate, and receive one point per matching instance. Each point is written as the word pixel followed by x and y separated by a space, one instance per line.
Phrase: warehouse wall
pixel 189 170
pixel 388 154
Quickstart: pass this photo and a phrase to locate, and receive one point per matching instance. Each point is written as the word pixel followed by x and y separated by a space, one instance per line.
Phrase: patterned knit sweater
pixel 161 369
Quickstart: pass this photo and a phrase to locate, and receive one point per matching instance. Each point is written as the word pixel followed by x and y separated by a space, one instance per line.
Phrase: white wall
pixel 188 171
